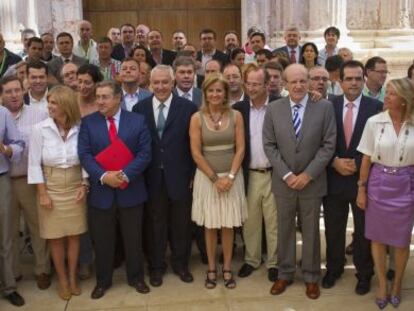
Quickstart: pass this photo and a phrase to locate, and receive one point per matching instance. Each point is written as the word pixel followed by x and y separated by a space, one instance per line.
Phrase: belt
pixel 18 177
pixel 262 170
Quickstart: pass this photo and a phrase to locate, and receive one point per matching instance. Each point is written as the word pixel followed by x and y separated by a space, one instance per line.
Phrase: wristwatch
pixel 231 176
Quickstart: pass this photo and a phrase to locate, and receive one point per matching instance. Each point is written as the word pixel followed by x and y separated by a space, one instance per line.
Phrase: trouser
pixel 261 210
pixel 24 202
pixel 6 237
pixel 308 210
pixel 102 225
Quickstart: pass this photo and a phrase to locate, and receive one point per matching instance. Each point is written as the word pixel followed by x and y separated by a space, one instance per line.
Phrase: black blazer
pixel 172 152
pixel 11 59
pixel 219 55
pixel 168 57
pixel 244 108
pixel 346 186
pixel 118 52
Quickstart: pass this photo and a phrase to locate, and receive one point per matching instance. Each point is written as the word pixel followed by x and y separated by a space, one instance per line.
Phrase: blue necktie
pixel 187 96
pixel 161 120
pixel 297 122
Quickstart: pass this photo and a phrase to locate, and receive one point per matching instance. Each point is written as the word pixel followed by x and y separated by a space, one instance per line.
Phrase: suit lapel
pixel 172 113
pixel 123 126
pixel 339 113
pixel 359 124
pixel 287 113
pixel 305 120
pixel 102 127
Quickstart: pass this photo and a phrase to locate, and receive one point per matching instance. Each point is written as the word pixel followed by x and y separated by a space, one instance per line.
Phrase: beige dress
pixel 211 208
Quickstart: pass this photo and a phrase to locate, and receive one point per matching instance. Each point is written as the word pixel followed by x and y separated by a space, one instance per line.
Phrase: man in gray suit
pixel 64 43
pixel 299 137
pixel 184 71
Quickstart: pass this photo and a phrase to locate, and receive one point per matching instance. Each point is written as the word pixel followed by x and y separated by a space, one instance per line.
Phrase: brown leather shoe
pixel 312 290
pixel 43 281
pixel 280 286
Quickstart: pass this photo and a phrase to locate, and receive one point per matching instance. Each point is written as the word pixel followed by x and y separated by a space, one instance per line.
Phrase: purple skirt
pixel 389 215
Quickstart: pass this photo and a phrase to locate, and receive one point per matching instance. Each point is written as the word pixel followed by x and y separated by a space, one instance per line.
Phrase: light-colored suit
pixel 310 153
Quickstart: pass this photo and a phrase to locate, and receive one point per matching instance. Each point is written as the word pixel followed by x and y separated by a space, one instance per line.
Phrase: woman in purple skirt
pixel 386 185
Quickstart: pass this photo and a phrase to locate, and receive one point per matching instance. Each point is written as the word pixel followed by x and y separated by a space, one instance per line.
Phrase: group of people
pixel 136 148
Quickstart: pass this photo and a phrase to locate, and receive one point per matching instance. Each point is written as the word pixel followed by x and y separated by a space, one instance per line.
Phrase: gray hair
pixel 165 68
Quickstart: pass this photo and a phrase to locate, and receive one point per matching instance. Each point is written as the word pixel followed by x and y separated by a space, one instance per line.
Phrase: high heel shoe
pixel 211 279
pixel 395 301
pixel 229 282
pixel 381 302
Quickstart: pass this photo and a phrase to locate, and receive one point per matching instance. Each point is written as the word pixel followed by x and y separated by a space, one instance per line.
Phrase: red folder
pixel 115 157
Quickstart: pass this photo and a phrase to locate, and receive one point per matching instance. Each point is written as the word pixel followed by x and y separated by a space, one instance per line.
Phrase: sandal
pixel 211 282
pixel 229 282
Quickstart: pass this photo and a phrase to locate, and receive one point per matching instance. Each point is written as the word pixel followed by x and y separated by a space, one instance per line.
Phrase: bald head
pixel 297 83
pixel 85 31
pixel 69 75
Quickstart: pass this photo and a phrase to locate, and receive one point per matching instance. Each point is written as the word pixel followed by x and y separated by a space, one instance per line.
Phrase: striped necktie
pixel 297 122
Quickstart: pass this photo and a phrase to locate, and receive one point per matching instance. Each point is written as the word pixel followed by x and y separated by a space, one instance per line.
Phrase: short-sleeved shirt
pixel 380 141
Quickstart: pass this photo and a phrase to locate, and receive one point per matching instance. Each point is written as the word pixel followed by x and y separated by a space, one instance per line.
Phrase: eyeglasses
pixel 315 79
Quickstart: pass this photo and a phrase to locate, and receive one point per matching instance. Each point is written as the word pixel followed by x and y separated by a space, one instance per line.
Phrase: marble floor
pixel 251 293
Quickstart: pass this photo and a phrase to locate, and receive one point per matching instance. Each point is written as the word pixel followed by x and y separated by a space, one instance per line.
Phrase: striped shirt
pixel 25 121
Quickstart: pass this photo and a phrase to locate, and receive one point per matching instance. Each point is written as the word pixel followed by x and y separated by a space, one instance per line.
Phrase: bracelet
pixel 361 183
pixel 214 178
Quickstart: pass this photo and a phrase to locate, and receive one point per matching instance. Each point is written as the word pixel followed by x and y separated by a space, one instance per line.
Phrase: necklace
pixel 402 149
pixel 216 120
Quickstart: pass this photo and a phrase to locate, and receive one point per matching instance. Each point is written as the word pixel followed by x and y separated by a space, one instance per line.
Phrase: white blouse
pixel 46 147
pixel 380 141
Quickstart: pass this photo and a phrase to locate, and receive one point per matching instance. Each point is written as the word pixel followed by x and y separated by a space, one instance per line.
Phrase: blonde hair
pixel 67 101
pixel 405 89
pixel 208 82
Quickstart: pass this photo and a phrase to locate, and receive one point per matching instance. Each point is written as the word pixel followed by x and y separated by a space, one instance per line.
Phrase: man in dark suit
pixel 158 53
pixel 184 72
pixel 257 172
pixel 108 198
pixel 292 47
pixel 7 58
pixel 352 111
pixel 208 49
pixel 299 137
pixel 124 49
pixel 64 43
pixel 168 176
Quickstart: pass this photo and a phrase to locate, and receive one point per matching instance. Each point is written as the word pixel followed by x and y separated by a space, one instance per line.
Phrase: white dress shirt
pixel 181 93
pixel 155 105
pixel 39 104
pixel 258 158
pixel 380 141
pixel 47 148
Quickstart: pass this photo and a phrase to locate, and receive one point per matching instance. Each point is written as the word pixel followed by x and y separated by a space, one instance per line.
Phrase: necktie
pixel 161 120
pixel 348 122
pixel 67 60
pixel 296 119
pixel 293 56
pixel 112 129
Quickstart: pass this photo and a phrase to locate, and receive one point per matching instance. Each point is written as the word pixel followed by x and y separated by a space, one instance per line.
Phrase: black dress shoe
pixel 390 274
pixel 245 270
pixel 272 274
pixel 185 276
pixel 155 278
pixel 329 280
pixel 141 287
pixel 349 250
pixel 15 299
pixel 363 286
pixel 98 292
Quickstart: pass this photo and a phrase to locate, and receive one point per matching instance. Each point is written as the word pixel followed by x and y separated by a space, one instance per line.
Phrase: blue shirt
pixel 9 136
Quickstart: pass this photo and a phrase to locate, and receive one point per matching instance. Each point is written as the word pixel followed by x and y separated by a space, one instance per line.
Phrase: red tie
pixel 292 56
pixel 348 123
pixel 112 129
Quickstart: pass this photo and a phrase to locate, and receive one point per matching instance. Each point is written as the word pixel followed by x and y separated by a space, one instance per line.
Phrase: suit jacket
pixel 310 153
pixel 338 184
pixel 94 137
pixel 171 155
pixel 10 59
pixel 197 96
pixel 142 94
pixel 118 52
pixel 286 50
pixel 218 55
pixel 244 108
pixel 168 57
pixel 55 65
